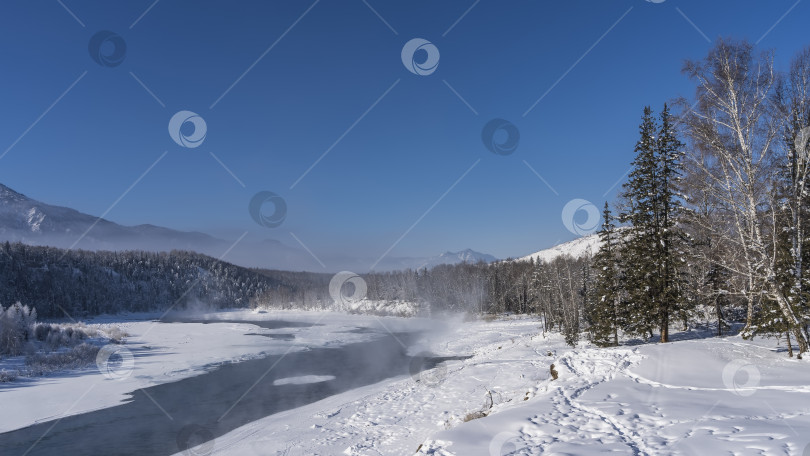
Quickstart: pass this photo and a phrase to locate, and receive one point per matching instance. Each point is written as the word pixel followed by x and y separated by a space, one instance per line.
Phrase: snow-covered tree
pixel 604 306
pixel 734 128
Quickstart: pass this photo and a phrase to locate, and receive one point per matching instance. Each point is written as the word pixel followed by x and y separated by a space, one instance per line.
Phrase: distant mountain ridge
pixel 578 248
pixel 463 256
pixel 26 220
pixel 32 222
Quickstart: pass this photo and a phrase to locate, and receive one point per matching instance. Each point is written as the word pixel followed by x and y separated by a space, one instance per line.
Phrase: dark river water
pixel 199 406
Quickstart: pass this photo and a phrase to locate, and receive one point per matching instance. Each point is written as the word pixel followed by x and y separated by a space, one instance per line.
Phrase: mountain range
pixel 23 219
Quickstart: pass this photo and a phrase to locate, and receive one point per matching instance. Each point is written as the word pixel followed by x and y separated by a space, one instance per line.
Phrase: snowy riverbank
pixel 692 396
pixel 701 396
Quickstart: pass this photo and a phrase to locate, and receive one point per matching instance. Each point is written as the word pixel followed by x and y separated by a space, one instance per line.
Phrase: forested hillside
pixel 58 282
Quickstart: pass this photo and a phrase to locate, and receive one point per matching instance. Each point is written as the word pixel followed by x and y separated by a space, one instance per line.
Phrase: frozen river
pixel 164 419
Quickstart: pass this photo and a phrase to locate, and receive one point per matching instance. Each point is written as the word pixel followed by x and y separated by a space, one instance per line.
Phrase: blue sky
pixel 388 169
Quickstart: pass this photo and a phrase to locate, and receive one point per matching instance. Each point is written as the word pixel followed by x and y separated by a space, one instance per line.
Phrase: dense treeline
pixel 58 282
pixel 554 290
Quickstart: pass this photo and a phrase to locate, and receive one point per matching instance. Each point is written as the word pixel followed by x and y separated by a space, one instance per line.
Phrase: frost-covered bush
pixel 81 355
pixel 116 334
pixel 55 335
pixel 48 347
pixel 7 375
pixel 16 328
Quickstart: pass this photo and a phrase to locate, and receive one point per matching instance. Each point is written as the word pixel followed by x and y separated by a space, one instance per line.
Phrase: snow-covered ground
pixel 703 396
pixel 693 396
pixel 711 396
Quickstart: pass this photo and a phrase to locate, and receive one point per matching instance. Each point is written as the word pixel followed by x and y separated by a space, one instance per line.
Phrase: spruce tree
pixel 639 244
pixel 603 307
pixel 669 237
pixel 654 247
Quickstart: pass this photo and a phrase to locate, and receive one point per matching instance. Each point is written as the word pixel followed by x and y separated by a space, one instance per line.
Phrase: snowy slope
pixel 578 248
pixel 710 396
pixel 689 397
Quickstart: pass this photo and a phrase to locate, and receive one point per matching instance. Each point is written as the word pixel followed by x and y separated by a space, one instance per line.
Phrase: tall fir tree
pixel 654 248
pixel 641 213
pixel 603 307
pixel 669 237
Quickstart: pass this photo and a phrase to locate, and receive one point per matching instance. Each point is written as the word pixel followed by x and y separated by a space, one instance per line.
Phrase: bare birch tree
pixel 734 128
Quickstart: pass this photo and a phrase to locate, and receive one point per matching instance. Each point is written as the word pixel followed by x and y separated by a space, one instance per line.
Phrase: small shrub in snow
pixel 7 376
pixel 15 328
pixel 116 334
pixel 81 355
pixel 474 416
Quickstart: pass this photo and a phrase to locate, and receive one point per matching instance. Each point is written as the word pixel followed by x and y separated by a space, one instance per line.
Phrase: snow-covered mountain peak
pixel 8 195
pixel 578 248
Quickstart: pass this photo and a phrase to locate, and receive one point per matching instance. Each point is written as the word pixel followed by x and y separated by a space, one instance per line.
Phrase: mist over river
pixel 165 419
